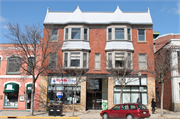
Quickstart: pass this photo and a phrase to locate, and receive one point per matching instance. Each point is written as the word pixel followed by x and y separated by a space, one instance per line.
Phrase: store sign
pixel 59 95
pixel 21 98
pixel 63 81
pixel 29 88
pixel 9 87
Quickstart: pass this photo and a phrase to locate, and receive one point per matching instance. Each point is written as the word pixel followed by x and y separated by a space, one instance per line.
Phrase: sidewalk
pixel 89 114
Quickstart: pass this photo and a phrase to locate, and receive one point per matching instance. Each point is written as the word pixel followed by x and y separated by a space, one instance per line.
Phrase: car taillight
pixel 139 111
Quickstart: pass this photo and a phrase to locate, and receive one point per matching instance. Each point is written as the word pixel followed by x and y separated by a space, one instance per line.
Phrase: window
pixel 119 33
pixel 119 60
pixel 125 107
pixel 31 62
pixel 65 59
pixel 141 35
pixel 129 60
pixel 75 59
pixel 110 60
pixel 129 33
pixel 116 107
pixel 52 60
pixel 97 60
pixel 142 62
pixel 66 34
pixel 14 65
pixel 84 60
pixel 132 107
pixel 76 33
pixel 178 54
pixel 68 94
pixel 54 35
pixel 130 94
pixel 85 34
pixel 11 99
pixel 110 34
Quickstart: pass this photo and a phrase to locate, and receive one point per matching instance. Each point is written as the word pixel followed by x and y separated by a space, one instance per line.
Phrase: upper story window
pixel 141 35
pixel 54 35
pixel 142 61
pixel 13 65
pixel 52 60
pixel 119 59
pixel 118 33
pixel 75 59
pixel 97 61
pixel 76 33
pixel 31 62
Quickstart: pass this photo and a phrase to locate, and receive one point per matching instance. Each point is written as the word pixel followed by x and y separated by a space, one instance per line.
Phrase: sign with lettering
pixel 9 87
pixel 63 81
pixel 59 95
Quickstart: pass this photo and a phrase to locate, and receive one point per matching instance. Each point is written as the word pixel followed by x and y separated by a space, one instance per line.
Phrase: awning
pixel 28 88
pixel 11 88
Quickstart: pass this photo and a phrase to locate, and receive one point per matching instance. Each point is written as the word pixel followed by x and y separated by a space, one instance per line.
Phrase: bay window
pixel 118 33
pixel 76 59
pixel 119 59
pixel 76 33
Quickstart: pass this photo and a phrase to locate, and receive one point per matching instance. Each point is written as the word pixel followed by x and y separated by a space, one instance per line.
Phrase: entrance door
pixel 28 101
pixel 94 100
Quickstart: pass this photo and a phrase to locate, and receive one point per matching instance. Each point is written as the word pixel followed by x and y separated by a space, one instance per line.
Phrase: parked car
pixel 128 110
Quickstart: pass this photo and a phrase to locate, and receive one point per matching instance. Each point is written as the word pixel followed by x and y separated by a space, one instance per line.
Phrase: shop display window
pixel 68 94
pixel 11 99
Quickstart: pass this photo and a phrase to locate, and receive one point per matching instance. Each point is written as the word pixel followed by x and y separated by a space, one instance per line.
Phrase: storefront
pixel 11 95
pixel 28 96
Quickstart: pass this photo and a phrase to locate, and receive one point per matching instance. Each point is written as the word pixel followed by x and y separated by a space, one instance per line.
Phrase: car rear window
pixel 142 107
pixel 132 107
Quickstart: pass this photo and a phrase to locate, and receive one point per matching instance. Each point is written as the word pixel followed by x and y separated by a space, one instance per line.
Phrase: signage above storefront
pixel 63 81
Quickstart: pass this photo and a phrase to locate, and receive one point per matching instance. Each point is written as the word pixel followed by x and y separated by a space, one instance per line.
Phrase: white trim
pixel 30 83
pixel 1 57
pixel 15 76
pixel 13 56
pixel 30 56
pixel 12 82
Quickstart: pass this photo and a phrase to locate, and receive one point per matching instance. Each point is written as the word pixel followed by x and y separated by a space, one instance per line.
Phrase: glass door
pixel 28 101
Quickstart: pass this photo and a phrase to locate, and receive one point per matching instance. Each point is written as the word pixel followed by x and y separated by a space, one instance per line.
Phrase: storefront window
pixel 11 95
pixel 11 99
pixel 130 94
pixel 68 94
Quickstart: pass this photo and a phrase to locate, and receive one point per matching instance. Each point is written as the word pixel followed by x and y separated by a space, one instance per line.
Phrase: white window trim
pixel 95 61
pixel 146 60
pixel 144 35
pixel 30 83
pixel 81 59
pixel 130 33
pixel 70 31
pixel 12 82
pixel 1 57
pixel 113 58
pixel 113 32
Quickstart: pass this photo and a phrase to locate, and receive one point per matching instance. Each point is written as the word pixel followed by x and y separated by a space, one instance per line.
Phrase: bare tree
pixel 121 70
pixel 28 43
pixel 165 64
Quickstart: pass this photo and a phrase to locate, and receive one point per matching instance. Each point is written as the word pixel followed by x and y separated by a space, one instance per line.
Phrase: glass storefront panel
pixel 126 97
pixel 11 99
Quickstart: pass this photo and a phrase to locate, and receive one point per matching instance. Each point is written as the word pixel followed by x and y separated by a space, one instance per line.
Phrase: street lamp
pixel 140 88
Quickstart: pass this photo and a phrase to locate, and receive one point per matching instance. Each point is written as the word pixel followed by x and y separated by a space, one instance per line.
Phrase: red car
pixel 129 111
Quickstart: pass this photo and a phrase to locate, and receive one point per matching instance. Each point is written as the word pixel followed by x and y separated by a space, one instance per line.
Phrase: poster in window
pixel 21 98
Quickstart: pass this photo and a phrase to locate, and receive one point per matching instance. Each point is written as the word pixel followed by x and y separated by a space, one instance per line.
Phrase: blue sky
pixel 165 13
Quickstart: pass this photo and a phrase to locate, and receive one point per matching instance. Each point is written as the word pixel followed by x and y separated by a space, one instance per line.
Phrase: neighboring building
pixel 171 98
pixel 15 84
pixel 90 37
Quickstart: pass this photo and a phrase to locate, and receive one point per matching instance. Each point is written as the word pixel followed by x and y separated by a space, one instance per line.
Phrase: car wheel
pixel 105 116
pixel 129 116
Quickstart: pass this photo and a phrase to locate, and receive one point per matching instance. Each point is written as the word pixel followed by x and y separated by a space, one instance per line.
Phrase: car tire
pixel 129 116
pixel 105 116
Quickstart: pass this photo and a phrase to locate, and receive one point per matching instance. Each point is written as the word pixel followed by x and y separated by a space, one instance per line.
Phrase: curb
pixel 32 117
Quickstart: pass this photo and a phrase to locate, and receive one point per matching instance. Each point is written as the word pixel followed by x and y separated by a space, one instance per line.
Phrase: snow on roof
pixel 98 17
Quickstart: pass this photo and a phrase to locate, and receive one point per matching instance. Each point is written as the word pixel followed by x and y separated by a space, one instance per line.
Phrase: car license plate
pixel 144 112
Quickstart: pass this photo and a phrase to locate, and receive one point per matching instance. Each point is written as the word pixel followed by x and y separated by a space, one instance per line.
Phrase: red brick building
pixel 15 84
pixel 171 97
pixel 88 39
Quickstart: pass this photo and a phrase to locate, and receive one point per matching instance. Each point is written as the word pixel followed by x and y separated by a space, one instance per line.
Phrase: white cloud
pixel 177 11
pixel 2 19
